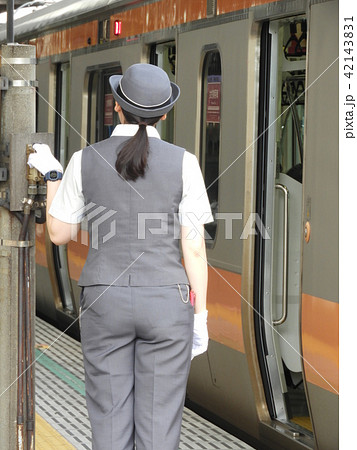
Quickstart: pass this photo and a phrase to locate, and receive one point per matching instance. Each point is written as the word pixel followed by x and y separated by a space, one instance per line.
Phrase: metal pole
pixel 10 35
pixel 17 122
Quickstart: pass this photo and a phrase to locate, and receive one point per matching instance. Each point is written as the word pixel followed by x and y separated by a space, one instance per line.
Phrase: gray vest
pixel 133 226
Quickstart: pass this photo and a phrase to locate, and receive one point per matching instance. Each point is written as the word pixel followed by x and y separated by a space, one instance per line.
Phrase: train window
pixel 92 108
pixel 210 132
pixel 109 118
pixel 290 137
pixel 101 117
pixel 164 56
pixel 62 106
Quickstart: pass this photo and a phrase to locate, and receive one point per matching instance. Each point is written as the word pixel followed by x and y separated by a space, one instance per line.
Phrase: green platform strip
pixel 62 373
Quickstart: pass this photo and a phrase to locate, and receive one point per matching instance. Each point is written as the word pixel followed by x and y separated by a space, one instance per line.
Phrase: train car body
pixel 259 108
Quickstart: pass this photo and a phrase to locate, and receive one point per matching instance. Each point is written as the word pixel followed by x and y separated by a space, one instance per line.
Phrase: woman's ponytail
pixel 132 158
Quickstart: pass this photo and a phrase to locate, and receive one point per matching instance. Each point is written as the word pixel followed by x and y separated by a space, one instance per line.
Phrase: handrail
pixel 284 313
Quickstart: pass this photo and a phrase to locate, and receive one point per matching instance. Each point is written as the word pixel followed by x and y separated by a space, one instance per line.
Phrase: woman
pixel 139 330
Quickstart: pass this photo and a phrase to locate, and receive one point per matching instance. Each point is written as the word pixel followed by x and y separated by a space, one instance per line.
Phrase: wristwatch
pixel 53 175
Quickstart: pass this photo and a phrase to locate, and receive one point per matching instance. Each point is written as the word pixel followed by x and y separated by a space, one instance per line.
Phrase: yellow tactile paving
pixel 47 438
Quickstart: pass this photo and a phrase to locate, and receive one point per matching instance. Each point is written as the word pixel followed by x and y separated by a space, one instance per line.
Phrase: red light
pixel 117 27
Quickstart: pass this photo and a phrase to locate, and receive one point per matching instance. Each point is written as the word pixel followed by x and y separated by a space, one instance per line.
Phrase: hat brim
pixel 140 111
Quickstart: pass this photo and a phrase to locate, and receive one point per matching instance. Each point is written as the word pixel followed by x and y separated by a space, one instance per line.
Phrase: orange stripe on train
pixel 66 40
pixel 41 257
pixel 136 21
pixel 226 6
pixel 224 306
pixel 320 342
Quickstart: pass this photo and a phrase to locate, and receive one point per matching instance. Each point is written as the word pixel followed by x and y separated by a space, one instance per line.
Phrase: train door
pixel 61 153
pixel 164 56
pixel 279 203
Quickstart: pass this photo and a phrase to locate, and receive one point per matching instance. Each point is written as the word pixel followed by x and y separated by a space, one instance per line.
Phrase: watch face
pixel 53 175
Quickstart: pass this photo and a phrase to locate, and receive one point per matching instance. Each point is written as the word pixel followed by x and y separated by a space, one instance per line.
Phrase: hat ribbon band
pixel 145 106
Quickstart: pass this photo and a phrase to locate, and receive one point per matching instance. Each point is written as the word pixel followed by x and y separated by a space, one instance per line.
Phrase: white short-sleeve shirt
pixel 194 208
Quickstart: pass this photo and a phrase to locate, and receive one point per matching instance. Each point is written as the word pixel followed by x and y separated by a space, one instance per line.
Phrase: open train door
pixel 279 203
pixel 295 277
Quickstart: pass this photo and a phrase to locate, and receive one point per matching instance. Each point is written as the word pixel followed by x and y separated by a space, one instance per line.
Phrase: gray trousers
pixel 136 344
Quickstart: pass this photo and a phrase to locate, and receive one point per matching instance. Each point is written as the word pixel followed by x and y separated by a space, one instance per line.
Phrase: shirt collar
pixel 131 129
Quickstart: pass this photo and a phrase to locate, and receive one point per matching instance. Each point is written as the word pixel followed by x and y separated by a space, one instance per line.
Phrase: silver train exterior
pixel 259 108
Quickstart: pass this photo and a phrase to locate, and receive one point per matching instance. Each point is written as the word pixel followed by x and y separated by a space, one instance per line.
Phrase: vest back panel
pixel 133 226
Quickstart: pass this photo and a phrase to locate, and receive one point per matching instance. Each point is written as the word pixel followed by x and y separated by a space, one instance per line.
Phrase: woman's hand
pixel 200 334
pixel 43 160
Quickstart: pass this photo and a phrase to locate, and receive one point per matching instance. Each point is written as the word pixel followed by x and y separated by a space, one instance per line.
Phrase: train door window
pixel 108 117
pixel 164 56
pixel 210 132
pixel 62 108
pixel 101 117
pixel 92 128
pixel 279 201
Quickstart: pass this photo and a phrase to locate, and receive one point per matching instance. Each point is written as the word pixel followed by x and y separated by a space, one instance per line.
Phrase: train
pixel 259 109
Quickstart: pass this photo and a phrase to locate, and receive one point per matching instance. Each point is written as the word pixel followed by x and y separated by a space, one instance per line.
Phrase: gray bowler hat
pixel 144 90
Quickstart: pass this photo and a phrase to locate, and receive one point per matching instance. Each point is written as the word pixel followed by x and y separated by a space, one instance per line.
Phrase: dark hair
pixel 132 158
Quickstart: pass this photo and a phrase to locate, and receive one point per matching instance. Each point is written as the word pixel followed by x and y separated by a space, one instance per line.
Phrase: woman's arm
pixel 194 253
pixel 60 232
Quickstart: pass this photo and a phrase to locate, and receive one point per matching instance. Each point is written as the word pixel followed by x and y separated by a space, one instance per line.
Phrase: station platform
pixel 61 415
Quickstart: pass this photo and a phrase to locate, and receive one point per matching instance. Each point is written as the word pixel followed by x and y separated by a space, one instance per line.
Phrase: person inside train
pixel 139 329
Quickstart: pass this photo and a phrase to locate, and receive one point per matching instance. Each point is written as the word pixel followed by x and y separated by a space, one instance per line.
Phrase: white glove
pixel 200 334
pixel 43 160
